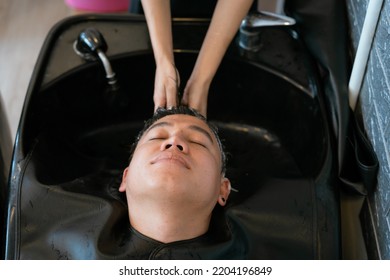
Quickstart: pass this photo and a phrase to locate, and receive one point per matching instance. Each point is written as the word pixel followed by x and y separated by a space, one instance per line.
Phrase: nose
pixel 175 142
pixel 180 147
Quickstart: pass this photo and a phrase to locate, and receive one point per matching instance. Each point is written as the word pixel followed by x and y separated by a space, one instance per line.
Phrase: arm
pixel 158 17
pixel 226 20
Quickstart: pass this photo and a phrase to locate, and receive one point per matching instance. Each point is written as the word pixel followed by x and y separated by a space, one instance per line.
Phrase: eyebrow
pixel 192 127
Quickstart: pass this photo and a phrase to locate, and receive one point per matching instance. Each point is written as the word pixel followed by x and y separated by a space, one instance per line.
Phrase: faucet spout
pixel 262 19
pixel 91 45
pixel 252 23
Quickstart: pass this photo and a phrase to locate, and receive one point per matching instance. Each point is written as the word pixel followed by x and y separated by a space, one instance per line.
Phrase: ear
pixel 122 187
pixel 224 191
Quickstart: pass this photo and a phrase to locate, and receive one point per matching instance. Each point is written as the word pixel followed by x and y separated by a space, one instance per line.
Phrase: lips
pixel 171 158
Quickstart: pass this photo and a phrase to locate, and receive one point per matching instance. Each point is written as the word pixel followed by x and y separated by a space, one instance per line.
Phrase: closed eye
pixel 157 138
pixel 198 143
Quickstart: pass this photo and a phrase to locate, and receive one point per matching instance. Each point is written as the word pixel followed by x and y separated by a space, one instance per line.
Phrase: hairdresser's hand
pixel 166 86
pixel 226 20
pixel 195 96
pixel 158 16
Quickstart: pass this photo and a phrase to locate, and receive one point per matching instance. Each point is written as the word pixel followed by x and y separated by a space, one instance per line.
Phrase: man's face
pixel 177 159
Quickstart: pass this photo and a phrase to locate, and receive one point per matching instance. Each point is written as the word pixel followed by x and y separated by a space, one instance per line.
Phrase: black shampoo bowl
pixel 74 137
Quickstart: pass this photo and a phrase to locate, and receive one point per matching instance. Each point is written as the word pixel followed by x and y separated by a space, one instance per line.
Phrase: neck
pixel 166 223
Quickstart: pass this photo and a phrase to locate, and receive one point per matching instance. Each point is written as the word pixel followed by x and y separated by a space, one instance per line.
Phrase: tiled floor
pixel 23 28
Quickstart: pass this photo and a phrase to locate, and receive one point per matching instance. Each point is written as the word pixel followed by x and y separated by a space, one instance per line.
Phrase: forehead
pixel 172 122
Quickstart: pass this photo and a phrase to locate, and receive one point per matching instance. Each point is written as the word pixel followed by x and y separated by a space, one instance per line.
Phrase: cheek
pixel 141 175
pixel 135 168
pixel 132 176
pixel 210 163
pixel 210 172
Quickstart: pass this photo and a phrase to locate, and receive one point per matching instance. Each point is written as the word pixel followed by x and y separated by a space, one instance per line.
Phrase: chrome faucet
pixel 91 45
pixel 250 29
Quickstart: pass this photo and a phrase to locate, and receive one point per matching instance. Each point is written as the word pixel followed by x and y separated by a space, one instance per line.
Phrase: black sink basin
pixel 74 138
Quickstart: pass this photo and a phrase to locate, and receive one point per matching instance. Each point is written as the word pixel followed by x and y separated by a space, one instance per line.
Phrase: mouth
pixel 171 158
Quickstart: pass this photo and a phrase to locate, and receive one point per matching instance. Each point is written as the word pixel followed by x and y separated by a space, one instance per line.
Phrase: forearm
pixel 226 20
pixel 158 16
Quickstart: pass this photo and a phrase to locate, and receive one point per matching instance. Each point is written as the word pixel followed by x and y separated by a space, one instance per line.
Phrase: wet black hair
pixel 180 110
